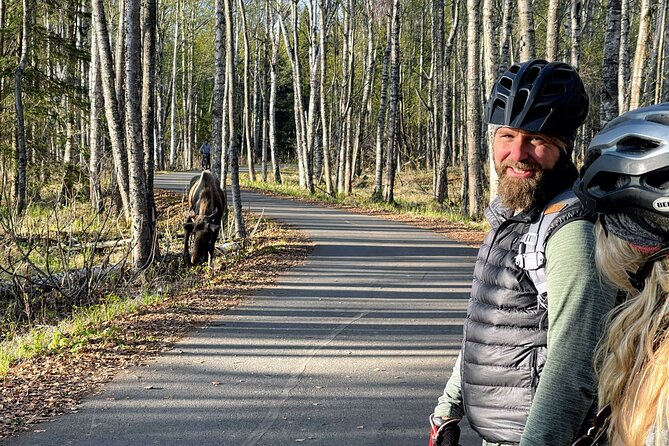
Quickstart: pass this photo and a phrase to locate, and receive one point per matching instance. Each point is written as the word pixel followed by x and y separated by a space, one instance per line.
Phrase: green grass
pixel 74 333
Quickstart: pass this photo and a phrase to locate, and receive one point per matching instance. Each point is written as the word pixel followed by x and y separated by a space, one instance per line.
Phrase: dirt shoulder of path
pixel 38 389
pixel 453 230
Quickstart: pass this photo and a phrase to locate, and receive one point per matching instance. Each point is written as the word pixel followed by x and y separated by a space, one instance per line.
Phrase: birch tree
pixel 230 69
pixel 526 23
pixel 114 123
pixel 623 58
pixel 391 131
pixel 445 145
pixel 21 182
pixel 382 116
pixel 609 90
pixel 94 129
pixel 474 165
pixel 148 109
pixel 217 142
pixel 246 94
pixel 324 15
pixel 640 55
pixel 273 69
pixel 552 29
pixel 141 223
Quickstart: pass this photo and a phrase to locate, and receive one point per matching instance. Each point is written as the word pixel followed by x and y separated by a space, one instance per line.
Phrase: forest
pixel 96 96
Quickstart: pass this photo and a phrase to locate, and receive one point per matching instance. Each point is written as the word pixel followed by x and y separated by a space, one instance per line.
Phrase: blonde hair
pixel 632 359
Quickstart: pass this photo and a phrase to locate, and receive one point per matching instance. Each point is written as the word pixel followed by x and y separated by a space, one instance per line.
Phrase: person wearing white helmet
pixel 625 180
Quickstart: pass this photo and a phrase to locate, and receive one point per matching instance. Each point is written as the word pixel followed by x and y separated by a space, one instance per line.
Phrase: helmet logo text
pixel 661 204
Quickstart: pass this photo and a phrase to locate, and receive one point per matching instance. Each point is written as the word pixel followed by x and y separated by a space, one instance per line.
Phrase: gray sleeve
pixel 450 403
pixel 578 301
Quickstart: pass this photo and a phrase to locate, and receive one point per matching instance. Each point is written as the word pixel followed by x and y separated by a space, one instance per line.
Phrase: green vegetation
pixel 85 325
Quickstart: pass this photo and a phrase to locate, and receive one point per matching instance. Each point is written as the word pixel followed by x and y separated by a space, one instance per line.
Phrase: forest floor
pixel 53 382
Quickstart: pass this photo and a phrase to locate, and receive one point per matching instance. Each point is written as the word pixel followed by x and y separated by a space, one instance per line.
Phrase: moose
pixel 207 212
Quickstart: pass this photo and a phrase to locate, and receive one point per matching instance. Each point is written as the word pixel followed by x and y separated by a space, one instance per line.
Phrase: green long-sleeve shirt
pixel 578 301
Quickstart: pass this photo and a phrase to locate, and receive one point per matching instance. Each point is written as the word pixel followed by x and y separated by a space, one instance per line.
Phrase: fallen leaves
pixel 52 384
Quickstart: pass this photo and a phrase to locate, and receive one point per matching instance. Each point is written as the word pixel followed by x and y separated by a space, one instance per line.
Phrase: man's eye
pixel 538 140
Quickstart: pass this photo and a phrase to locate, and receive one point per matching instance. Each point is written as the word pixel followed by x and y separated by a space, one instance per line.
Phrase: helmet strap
pixel 638 279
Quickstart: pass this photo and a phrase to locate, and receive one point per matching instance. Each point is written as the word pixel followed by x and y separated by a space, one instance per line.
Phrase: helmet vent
pixel 635 144
pixel 660 118
pixel 554 88
pixel 519 101
pixel 532 74
pixel 563 75
pixel 506 82
pixel 658 179
pixel 609 181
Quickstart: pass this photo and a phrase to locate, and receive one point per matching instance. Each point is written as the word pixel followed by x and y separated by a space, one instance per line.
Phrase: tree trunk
pixel 640 55
pixel 609 91
pixel 314 92
pixel 173 94
pixel 247 94
pixel 664 91
pixel 526 23
pixel 240 230
pixel 575 32
pixel 368 76
pixel 21 182
pixel 325 126
pixel 119 61
pixel 95 140
pixel 552 30
pixel 623 58
pixel 348 74
pixel 650 89
pixel 148 110
pixel 114 123
pixel 297 100
pixel 490 70
pixel 505 54
pixel 436 88
pixel 445 141
pixel 273 68
pixel 381 119
pixel 142 237
pixel 391 152
pixel 219 85
pixel 474 165
pixel 661 29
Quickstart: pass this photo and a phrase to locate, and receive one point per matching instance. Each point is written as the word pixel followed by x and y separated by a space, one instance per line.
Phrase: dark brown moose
pixel 207 212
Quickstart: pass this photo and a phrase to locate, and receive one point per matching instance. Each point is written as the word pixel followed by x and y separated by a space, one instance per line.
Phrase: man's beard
pixel 519 193
pixel 525 193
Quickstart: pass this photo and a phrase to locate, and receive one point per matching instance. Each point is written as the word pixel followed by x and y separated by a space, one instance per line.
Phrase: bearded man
pixel 524 374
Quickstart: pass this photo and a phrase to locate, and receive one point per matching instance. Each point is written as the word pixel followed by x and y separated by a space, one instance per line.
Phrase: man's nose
pixel 518 150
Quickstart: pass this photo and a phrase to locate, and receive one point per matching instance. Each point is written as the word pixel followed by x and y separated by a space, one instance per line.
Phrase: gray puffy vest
pixel 504 346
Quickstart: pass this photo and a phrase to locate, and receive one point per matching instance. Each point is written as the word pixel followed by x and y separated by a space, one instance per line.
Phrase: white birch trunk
pixel 640 55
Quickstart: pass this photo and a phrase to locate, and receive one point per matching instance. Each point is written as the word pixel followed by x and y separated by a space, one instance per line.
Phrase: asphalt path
pixel 351 348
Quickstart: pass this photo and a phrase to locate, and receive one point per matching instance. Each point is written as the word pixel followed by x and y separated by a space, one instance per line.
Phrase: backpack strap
pixel 532 247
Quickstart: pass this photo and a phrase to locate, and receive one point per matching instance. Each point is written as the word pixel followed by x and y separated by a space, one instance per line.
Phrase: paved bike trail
pixel 352 348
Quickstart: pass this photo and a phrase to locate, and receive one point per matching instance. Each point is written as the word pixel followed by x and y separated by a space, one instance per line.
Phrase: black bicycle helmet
pixel 627 165
pixel 540 96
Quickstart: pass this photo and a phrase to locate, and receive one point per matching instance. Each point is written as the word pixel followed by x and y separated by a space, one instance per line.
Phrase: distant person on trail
pixel 524 375
pixel 626 180
pixel 205 151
